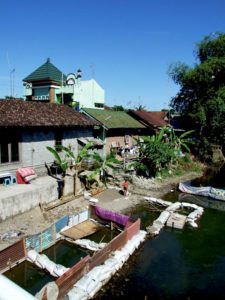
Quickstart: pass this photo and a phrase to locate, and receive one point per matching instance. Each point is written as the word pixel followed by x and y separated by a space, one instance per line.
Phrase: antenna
pixel 92 67
pixel 11 76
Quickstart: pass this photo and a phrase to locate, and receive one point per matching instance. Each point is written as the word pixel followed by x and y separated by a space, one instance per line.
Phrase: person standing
pixel 125 187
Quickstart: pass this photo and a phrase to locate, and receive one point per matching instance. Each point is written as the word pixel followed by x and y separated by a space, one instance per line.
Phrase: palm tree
pixel 140 107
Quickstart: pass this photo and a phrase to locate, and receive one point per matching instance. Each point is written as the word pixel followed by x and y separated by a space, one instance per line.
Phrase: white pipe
pixel 10 290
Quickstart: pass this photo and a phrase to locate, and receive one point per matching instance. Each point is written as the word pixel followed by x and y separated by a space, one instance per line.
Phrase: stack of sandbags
pixel 43 262
pixel 92 282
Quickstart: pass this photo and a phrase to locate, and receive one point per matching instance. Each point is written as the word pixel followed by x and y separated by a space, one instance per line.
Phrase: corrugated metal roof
pixel 19 113
pixel 47 71
pixel 113 119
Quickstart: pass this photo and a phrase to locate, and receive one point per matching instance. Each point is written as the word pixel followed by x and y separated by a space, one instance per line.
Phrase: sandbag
pixel 84 283
pixel 121 255
pixel 42 260
pixel 174 206
pixel 95 289
pixel 192 223
pixel 193 215
pixel 59 270
pixel 52 291
pixel 162 218
pixel 50 266
pixel 88 244
pixel 77 293
pixel 130 247
pixel 32 255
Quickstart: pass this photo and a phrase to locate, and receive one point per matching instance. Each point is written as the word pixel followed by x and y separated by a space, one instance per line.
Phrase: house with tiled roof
pixel 26 128
pixel 154 120
pixel 49 84
pixel 118 128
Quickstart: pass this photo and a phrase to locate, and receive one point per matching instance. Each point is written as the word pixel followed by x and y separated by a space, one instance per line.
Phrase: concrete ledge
pixel 18 198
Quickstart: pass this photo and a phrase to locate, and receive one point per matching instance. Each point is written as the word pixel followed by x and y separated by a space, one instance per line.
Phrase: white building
pixel 47 83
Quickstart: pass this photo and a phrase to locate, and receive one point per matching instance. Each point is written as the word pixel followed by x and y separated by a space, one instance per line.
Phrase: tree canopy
pixel 201 98
pixel 118 108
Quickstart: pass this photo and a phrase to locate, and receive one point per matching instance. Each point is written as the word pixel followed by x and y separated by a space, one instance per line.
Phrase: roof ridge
pixel 46 71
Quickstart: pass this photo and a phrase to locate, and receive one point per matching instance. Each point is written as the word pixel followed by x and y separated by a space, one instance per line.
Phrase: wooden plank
pixel 60 202
pixel 81 230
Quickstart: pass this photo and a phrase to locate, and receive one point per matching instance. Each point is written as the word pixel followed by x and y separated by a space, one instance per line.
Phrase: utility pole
pixel 62 90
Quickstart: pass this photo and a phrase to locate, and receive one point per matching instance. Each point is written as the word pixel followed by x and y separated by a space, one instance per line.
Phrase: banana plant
pixel 61 162
pixel 69 154
pixel 65 162
pixel 102 169
pixel 184 140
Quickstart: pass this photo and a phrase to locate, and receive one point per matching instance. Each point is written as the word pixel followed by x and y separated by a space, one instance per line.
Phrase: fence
pixel 40 241
pixel 45 239
pixel 117 243
pixel 12 255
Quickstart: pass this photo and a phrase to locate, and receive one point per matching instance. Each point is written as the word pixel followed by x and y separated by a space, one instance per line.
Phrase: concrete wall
pixel 18 198
pixel 72 186
pixel 33 150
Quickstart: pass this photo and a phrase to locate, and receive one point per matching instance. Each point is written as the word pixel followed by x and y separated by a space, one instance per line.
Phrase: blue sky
pixel 126 45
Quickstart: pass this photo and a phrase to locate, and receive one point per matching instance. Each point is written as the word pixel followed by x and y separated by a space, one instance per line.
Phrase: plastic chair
pixel 13 179
pixel 6 181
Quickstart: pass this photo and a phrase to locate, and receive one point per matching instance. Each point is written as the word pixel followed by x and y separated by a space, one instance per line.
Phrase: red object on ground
pixel 19 178
pixel 23 175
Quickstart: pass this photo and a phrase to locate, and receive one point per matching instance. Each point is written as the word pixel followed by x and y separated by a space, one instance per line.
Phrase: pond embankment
pixel 37 219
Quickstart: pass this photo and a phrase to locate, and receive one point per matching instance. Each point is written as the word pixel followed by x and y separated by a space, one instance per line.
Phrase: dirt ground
pixel 38 219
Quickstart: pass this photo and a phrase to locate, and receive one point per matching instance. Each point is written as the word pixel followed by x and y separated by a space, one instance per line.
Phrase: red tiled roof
pixel 151 118
pixel 20 113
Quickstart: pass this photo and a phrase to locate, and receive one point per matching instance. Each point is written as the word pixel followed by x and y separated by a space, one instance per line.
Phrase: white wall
pixel 89 92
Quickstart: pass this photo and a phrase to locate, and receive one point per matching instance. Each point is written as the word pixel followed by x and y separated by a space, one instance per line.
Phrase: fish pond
pixel 177 264
pixel 32 279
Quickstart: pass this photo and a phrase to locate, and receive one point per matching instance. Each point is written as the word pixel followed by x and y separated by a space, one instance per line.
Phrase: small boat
pixel 206 191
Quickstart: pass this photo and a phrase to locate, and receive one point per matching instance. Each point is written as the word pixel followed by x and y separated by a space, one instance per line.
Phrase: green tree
pixel 118 108
pixel 156 153
pixel 140 107
pixel 201 98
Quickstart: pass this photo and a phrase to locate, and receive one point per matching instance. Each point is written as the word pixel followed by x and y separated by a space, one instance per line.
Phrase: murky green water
pixel 32 278
pixel 104 235
pixel 65 253
pixel 29 277
pixel 187 264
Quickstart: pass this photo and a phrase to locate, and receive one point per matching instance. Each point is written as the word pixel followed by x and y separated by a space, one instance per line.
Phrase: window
pixel 99 105
pixel 9 147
